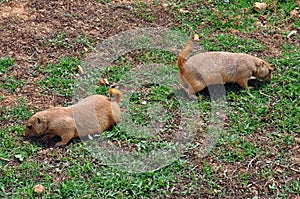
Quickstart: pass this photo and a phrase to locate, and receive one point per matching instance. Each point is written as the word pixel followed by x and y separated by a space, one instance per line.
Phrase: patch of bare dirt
pixel 41 32
pixel 27 27
pixel 15 9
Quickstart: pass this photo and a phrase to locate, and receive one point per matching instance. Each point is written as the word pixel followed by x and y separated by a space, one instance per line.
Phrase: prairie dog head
pixel 36 125
pixel 263 71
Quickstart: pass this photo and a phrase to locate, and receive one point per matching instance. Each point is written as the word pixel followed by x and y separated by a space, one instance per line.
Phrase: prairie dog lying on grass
pixel 211 68
pixel 91 115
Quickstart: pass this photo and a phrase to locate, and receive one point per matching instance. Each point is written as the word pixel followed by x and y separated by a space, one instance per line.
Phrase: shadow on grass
pixel 213 90
pixel 50 143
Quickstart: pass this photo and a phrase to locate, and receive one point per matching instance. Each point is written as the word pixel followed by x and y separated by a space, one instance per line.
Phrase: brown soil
pixel 27 28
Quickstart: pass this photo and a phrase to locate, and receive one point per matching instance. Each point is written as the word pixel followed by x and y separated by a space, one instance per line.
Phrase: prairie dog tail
pixel 183 55
pixel 117 94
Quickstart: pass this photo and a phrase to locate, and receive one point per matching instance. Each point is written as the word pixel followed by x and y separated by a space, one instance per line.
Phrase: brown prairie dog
pixel 91 115
pixel 210 68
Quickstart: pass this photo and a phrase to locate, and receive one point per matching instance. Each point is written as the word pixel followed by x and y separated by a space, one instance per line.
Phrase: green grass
pixel 12 83
pixel 19 112
pixel 252 158
pixel 62 40
pixel 225 42
pixel 5 64
pixel 222 16
pixel 7 81
pixel 141 11
pixel 60 78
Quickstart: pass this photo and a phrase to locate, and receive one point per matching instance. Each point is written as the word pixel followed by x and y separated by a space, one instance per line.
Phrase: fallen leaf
pixel 38 188
pixel 294 13
pixel 80 70
pixel 16 74
pixel 4 159
pixel 43 152
pixel 279 170
pixel 262 18
pixel 196 37
pixel 258 7
pixel 291 34
pixel 277 36
pixel 259 24
pixel 103 82
pixel 296 160
pixel 183 11
pixel 165 5
pixel 234 31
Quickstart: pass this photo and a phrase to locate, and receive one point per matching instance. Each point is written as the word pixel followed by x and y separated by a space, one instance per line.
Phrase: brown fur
pixel 91 115
pixel 211 68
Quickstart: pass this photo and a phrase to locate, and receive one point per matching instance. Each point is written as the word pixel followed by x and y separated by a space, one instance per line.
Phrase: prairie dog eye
pixel 29 127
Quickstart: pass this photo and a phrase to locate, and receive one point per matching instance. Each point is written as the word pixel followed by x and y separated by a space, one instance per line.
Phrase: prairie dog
pixel 209 68
pixel 91 115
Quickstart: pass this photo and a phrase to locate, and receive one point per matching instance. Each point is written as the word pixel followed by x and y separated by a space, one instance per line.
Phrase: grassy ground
pixel 257 153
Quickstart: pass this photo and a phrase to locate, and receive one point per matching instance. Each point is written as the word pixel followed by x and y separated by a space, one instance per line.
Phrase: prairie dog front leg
pixel 65 138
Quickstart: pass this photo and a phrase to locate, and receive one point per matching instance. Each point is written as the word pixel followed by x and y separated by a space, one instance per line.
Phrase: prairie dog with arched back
pixel 91 115
pixel 210 68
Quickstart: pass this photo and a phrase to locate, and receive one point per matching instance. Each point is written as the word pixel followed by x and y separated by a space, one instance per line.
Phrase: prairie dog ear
pixel 259 64
pixel 40 121
pixel 41 124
